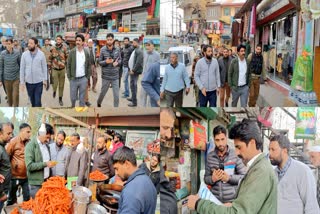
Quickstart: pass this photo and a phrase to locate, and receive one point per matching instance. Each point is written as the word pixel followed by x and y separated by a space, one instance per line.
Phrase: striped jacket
pixel 225 192
pixel 9 65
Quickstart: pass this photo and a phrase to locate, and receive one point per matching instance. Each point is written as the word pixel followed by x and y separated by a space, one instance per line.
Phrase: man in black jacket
pixel 224 63
pixel 125 54
pixel 6 131
pixel 135 70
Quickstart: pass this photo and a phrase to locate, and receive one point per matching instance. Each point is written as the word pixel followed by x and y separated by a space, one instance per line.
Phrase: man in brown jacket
pixel 15 150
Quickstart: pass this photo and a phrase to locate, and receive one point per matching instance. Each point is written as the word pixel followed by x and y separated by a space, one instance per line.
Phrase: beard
pixel 209 57
pixel 59 145
pixel 221 148
pixel 275 162
pixel 124 177
pixel 32 49
pixel 126 46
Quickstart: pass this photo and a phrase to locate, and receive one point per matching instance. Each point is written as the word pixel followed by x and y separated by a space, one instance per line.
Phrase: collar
pixel 249 164
pixel 35 52
pixel 282 172
pixel 134 175
pixel 216 151
pixel 174 66
pixel 244 60
pixel 39 142
pixel 80 51
pixel 57 147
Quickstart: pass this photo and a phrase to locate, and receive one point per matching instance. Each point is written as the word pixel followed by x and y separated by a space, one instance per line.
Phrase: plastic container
pixel 96 209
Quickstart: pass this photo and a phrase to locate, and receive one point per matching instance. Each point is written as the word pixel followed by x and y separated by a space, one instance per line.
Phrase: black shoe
pixel 99 105
pixel 54 94
pixel 132 105
pixel 227 105
pixel 60 101
pixel 88 104
pixel 129 99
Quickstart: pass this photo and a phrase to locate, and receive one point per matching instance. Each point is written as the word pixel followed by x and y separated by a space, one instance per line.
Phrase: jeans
pixel 35 93
pixel 174 98
pixel 78 86
pixel 134 87
pixel 104 90
pixel 58 79
pixel 33 189
pixel 144 98
pixel 211 98
pixel 14 184
pixel 242 93
pixel 126 81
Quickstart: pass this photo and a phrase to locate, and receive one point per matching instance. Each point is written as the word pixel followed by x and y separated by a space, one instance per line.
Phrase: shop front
pixel 184 155
pixel 277 26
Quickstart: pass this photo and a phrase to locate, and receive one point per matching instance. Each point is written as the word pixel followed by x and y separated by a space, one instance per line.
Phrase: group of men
pixel 247 182
pixel 214 76
pixel 32 68
pixel 245 179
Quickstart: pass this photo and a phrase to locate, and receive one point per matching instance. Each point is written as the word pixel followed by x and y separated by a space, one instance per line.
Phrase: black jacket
pixel 138 61
pixel 125 54
pixel 5 170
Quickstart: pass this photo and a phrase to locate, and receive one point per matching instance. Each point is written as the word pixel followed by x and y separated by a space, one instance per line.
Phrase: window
pixel 226 11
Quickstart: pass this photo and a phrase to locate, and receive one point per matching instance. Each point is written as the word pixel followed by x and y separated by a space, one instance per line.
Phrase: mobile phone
pixel 221 166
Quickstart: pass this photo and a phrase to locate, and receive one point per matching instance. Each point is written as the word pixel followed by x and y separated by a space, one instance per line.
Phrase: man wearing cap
pixel 150 56
pixel 136 68
pixel 314 153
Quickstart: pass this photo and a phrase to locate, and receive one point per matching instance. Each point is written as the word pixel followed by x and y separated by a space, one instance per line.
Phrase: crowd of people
pixel 37 67
pixel 27 162
pixel 217 73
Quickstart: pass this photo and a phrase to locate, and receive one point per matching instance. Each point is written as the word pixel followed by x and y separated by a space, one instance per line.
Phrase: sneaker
pixel 99 105
pixel 88 104
pixel 60 102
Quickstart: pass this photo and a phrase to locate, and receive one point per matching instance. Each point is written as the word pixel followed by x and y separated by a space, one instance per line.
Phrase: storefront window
pixel 226 11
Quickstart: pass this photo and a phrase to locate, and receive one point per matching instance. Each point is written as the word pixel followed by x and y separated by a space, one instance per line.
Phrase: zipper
pixel 208 77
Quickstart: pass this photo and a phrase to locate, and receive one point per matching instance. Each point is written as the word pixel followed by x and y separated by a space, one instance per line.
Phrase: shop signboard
pixel 107 6
pixel 198 136
pixel 273 7
pixel 306 123
pixel 139 140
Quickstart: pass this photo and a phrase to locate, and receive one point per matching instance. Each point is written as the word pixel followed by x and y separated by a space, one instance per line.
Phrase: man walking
pixel 257 191
pixel 59 153
pixel 224 169
pixel 239 78
pixel 78 71
pixel 34 72
pixel 78 162
pixel 17 47
pixel 174 81
pixel 151 84
pixel 37 159
pixel 224 64
pixel 110 59
pixel 16 152
pixel 257 69
pixel 102 159
pixel 150 56
pixel 46 49
pixel 125 54
pixel 6 132
pixel 9 73
pixel 136 68
pixel 57 62
pixel 207 77
pixel 297 185
pixel 92 52
pixel 139 194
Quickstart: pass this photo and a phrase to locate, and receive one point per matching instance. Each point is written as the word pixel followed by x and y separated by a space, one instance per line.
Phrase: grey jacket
pixel 77 166
pixel 224 70
pixel 10 65
pixel 109 72
pixel 149 59
pixel 207 75
pixel 60 154
pixel 33 69
pixel 103 163
pixel 225 192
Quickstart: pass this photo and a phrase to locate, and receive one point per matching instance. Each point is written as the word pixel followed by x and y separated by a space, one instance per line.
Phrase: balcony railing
pixel 80 6
pixel 56 13
pixel 48 1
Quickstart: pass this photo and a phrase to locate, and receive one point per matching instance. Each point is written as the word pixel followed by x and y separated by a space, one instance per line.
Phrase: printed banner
pixel 306 123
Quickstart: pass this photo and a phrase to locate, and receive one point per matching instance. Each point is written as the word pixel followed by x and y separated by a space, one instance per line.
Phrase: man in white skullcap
pixel 314 153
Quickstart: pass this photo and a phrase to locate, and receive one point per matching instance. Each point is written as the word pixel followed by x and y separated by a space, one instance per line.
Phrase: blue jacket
pixel 151 83
pixel 175 79
pixel 139 196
